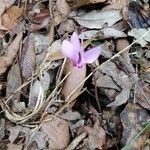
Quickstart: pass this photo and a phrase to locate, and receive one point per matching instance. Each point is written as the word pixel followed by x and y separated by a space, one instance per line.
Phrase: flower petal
pixel 92 54
pixel 75 41
pixel 68 50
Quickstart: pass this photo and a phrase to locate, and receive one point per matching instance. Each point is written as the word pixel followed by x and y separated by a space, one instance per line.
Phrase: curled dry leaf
pixel 28 59
pixel 57 130
pixel 9 18
pixel 75 78
pixel 12 50
pixel 98 19
pixel 133 117
pixel 2 128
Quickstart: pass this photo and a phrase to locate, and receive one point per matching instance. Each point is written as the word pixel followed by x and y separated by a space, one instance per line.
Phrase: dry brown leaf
pixel 121 79
pixel 14 146
pixel 57 130
pixel 9 18
pixel 75 78
pixel 28 60
pixel 12 50
pixel 63 7
pixel 116 4
pixel 98 19
pixel 97 136
pixel 13 75
pixel 133 117
pixel 54 52
pixel 3 5
pixel 143 97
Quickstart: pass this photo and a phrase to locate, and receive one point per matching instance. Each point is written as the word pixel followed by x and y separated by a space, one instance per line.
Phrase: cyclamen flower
pixel 74 51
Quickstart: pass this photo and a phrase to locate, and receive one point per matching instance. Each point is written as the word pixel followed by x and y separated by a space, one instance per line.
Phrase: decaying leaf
pixel 97 136
pixel 54 52
pixel 63 7
pixel 14 146
pixel 9 18
pixel 121 79
pixel 28 59
pixel 75 78
pixel 98 19
pixel 104 33
pixel 57 131
pixel 39 136
pixel 133 117
pixel 12 50
pixel 142 96
pixel 3 5
pixel 137 33
pixel 14 75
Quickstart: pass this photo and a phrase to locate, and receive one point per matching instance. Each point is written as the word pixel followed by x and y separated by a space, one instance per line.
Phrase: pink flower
pixel 75 52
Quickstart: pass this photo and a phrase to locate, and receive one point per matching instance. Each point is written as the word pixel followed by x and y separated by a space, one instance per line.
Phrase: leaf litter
pixel 61 91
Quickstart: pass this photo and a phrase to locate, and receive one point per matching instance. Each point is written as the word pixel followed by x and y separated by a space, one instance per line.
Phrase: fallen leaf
pixel 142 96
pixel 76 76
pixel 137 33
pixel 116 4
pixel 104 33
pixel 121 79
pixel 39 136
pixel 11 87
pixel 54 52
pixel 9 18
pixel 80 3
pixel 71 115
pixel 138 17
pixel 133 117
pixel 28 59
pixel 97 19
pixel 14 146
pixel 106 81
pixel 63 7
pixel 13 75
pixel 97 136
pixel 57 130
pixel 3 5
pixel 12 50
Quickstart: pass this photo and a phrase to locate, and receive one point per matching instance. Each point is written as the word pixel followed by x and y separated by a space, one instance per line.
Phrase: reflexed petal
pixel 92 54
pixel 68 50
pixel 75 41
